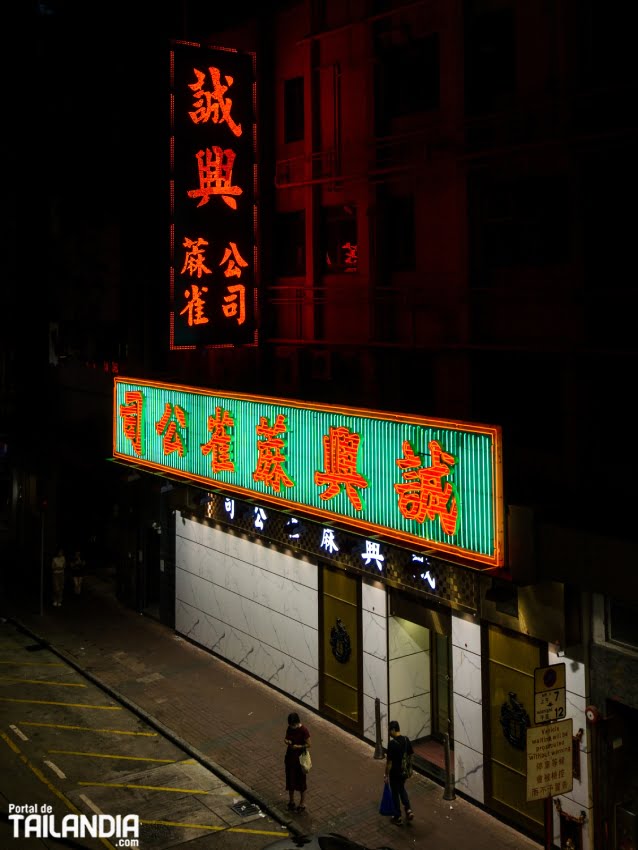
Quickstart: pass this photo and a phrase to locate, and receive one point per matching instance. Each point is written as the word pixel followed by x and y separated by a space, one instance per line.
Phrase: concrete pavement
pixel 235 724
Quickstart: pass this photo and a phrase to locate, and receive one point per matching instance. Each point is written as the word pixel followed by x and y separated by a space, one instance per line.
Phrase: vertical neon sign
pixel 213 234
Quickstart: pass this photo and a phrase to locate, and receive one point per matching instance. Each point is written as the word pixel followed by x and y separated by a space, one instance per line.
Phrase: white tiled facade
pixel 375 657
pixel 250 604
pixel 468 707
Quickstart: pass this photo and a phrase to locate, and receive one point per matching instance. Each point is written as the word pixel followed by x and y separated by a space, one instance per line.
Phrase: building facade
pixel 446 215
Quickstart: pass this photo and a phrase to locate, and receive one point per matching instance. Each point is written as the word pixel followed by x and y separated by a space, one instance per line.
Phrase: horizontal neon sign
pixel 426 482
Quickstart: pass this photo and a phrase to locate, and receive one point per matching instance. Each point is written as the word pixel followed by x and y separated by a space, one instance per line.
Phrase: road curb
pixel 229 778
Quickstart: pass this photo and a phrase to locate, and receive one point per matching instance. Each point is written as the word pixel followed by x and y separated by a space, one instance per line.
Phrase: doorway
pixel 340 663
pixel 420 679
pixel 150 590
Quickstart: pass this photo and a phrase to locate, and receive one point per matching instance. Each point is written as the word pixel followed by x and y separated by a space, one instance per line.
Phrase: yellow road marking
pixel 46 782
pixel 8 741
pixel 35 663
pixel 147 787
pixel 88 728
pixel 128 758
pixel 68 704
pixel 104 756
pixel 42 682
pixel 211 828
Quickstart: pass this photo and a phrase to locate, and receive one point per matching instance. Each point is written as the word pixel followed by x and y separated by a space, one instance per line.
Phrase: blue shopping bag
pixel 386 806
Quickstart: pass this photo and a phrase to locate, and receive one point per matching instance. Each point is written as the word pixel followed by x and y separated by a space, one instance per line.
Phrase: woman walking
pixel 297 740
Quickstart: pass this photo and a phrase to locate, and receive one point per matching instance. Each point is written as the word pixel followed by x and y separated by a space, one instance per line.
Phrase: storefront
pixel 305 617
pixel 347 558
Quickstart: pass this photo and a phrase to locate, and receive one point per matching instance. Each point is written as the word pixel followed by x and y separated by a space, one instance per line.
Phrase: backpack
pixel 406 761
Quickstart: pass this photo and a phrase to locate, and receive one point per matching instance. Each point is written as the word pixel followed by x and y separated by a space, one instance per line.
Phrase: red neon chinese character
pixel 235 262
pixel 172 442
pixel 340 447
pixel 195 305
pixel 216 176
pixel 131 413
pixel 425 496
pixel 210 103
pixel 352 258
pixel 218 447
pixel 271 460
pixel 235 301
pixel 194 259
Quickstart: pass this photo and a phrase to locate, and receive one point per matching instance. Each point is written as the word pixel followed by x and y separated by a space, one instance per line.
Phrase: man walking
pixel 396 771
pixel 78 566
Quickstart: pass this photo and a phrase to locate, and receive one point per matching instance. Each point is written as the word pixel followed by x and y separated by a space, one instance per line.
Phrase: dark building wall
pixel 615 676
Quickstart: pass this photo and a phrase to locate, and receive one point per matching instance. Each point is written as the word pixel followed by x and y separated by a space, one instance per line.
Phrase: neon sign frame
pixel 214 269
pixel 278 450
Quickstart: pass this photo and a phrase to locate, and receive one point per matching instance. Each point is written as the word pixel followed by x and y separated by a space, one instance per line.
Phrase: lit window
pixel 339 246
pixel 294 110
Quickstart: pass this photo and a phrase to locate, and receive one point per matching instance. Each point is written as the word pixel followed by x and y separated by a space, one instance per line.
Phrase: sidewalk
pixel 236 725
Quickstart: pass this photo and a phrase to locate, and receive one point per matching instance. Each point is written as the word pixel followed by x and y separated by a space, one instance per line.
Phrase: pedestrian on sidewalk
pixel 58 568
pixel 297 740
pixel 395 773
pixel 78 568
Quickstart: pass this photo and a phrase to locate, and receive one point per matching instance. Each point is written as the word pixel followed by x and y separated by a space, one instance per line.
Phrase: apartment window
pixel 608 186
pixel 290 244
pixel 395 242
pixel 294 109
pixel 339 247
pixel 526 376
pixel 524 221
pixel 490 58
pixel 328 14
pixel 408 79
pixel 401 248
pixel 606 39
pixel 622 623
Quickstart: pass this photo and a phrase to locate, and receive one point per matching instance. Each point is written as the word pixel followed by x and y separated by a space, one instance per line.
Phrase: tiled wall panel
pixel 250 604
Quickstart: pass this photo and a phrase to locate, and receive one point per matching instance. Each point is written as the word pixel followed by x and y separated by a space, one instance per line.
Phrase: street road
pixel 67 744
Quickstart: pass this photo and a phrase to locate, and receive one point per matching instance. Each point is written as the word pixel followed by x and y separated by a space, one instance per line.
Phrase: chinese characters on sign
pixel 428 497
pixel 549 760
pixel 373 553
pixel 550 699
pixel 416 480
pixel 213 232
pixel 455 586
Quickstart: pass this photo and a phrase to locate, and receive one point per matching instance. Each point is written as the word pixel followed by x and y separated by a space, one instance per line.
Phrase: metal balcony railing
pixel 380 158
pixel 306 169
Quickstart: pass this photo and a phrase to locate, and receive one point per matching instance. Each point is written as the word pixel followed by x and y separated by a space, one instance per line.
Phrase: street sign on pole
pixel 549 760
pixel 549 693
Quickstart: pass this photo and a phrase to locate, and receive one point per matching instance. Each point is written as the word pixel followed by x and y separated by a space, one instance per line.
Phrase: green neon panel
pixel 474 476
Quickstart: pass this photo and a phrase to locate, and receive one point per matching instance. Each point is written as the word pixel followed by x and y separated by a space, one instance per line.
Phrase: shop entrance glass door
pixel 420 679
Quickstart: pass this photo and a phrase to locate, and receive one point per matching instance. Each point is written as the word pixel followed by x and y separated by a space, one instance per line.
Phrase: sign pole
pixel 549 824
pixel 41 562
